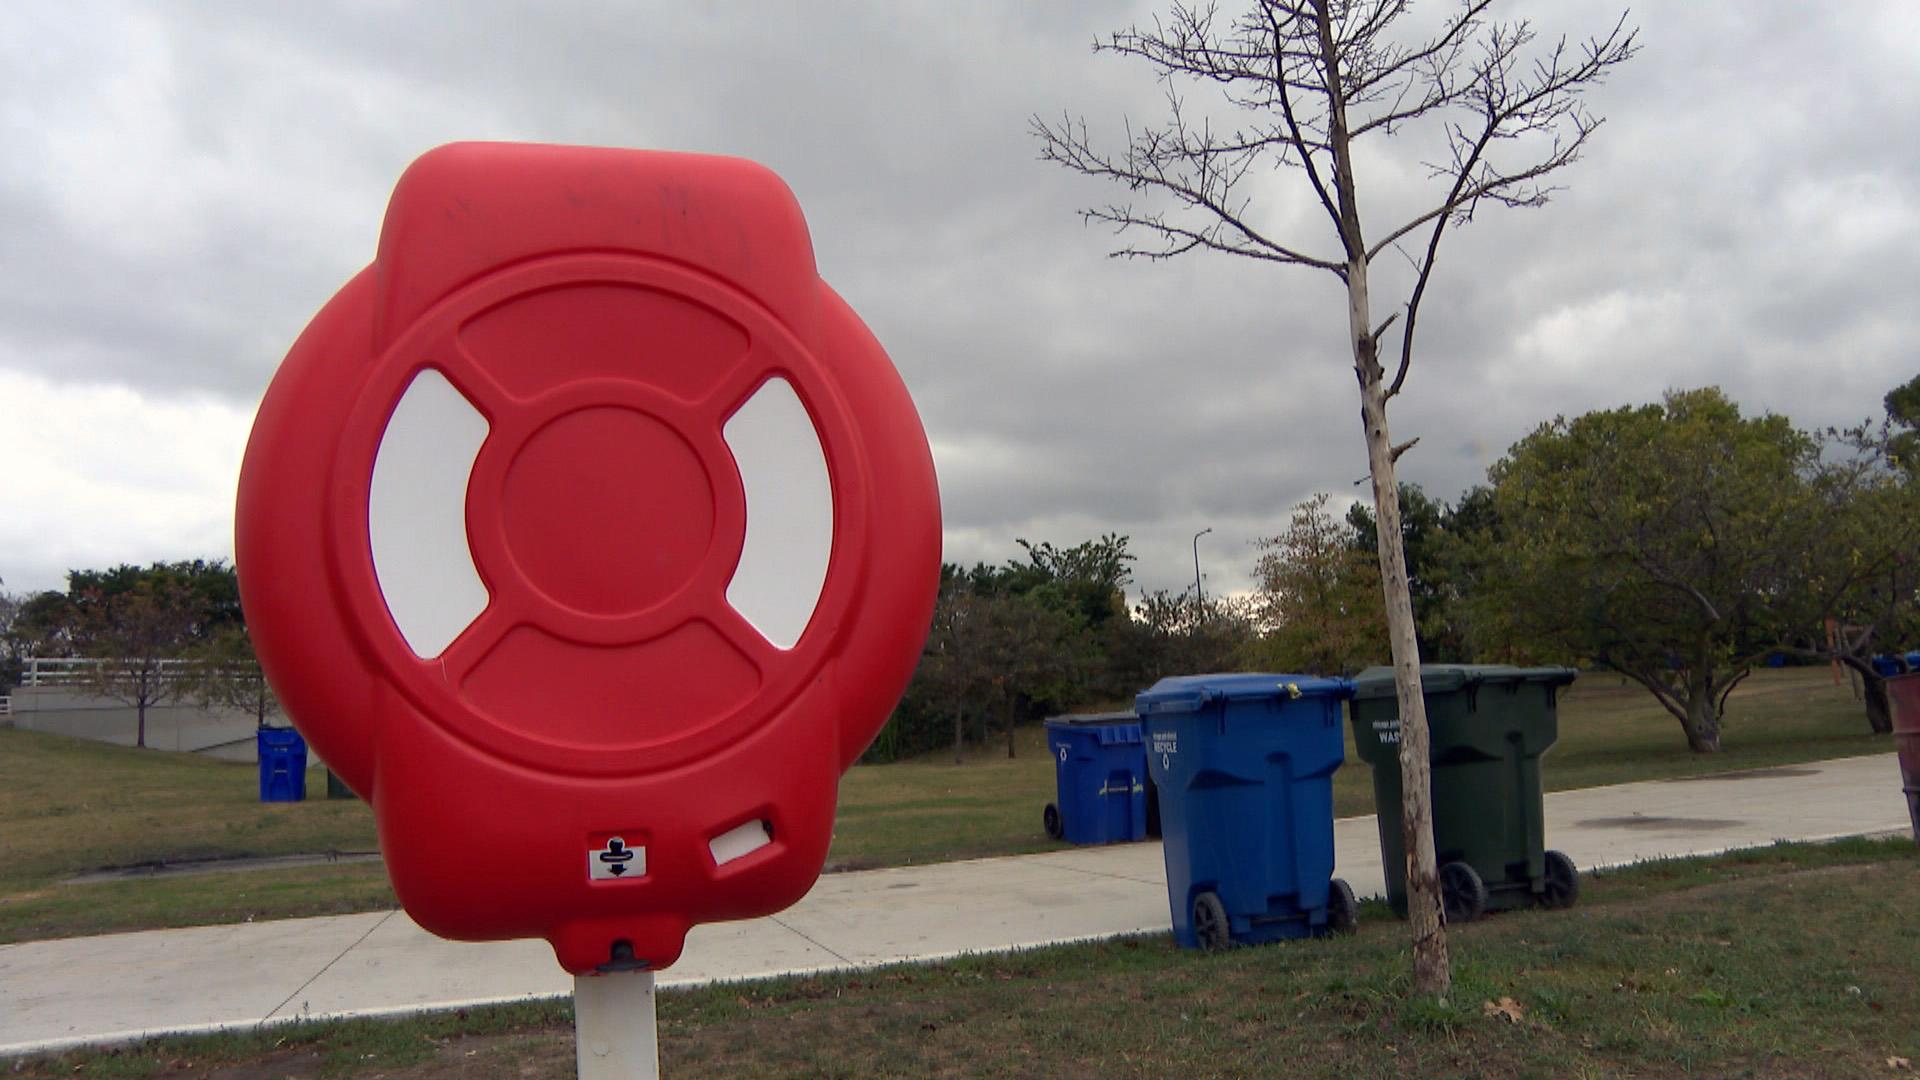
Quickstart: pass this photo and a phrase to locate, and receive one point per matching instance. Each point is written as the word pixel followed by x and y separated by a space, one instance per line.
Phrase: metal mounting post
pixel 613 1026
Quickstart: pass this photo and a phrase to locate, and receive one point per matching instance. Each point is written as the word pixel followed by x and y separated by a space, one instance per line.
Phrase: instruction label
pixel 615 860
pixel 1387 731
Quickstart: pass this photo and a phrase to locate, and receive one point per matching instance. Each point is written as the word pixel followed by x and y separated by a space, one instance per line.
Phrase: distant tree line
pixel 165 632
pixel 1679 544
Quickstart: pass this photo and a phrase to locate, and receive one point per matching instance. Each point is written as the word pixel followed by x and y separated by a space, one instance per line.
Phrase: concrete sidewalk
pixel 115 988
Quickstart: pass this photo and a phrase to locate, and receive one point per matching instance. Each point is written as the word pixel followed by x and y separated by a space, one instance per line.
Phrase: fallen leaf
pixel 1899 1063
pixel 1507 1007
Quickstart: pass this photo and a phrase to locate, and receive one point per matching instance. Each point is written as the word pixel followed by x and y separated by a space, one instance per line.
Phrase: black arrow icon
pixel 616 856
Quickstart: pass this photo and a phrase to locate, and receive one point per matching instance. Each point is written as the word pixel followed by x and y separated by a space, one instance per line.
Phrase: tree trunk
pixel 140 732
pixel 959 735
pixel 1006 708
pixel 1702 724
pixel 1873 691
pixel 1702 720
pixel 1879 709
pixel 1432 969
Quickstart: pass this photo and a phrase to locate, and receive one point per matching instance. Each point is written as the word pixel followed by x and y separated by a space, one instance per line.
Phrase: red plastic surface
pixel 606 311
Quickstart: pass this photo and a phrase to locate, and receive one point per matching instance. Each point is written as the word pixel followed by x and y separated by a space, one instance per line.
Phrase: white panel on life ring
pixel 417 514
pixel 783 470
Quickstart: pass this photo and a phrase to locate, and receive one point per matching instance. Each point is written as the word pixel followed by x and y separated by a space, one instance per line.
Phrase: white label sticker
pixel 1166 744
pixel 615 861
pixel 1387 731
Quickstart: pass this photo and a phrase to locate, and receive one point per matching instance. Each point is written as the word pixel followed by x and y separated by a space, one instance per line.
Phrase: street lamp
pixel 1198 596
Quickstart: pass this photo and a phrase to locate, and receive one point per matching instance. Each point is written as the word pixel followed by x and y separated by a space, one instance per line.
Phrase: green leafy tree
pixel 1665 541
pixel 1177 635
pixel 1453 570
pixel 137 637
pixel 207 590
pixel 44 625
pixel 1863 555
pixel 1903 417
pixel 13 647
pixel 1087 581
pixel 1318 596
pixel 138 622
pixel 1424 522
pixel 226 674
pixel 996 656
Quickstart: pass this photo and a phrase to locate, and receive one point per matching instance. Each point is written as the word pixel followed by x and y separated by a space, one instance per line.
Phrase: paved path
pixel 122 986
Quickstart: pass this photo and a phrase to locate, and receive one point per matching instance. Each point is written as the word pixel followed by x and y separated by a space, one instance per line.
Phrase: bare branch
pixel 1429 68
pixel 1510 106
pixel 1424 272
pixel 1297 133
pixel 1193 166
pixel 1403 448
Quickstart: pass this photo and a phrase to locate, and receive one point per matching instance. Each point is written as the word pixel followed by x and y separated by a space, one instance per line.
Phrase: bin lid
pixel 1191 693
pixel 1098 719
pixel 1377 682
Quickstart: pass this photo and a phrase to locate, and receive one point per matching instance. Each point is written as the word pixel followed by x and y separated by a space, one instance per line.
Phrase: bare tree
pixel 1311 79
pixel 138 636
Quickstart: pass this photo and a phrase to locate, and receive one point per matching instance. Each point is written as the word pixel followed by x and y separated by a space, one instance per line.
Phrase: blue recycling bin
pixel 1100 779
pixel 1913 661
pixel 1244 765
pixel 283 765
pixel 1888 666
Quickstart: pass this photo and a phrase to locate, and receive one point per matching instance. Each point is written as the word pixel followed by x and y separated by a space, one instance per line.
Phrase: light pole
pixel 1199 597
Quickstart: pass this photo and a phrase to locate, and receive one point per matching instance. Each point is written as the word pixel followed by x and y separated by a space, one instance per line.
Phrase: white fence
pixel 66 671
pixel 64 697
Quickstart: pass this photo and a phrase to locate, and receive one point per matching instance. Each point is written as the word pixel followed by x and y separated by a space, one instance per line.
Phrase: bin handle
pixel 1191 701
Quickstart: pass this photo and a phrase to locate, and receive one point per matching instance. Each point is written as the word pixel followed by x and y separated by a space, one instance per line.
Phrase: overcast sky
pixel 182 185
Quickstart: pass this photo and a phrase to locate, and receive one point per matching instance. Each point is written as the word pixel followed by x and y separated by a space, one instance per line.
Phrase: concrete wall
pixel 220 733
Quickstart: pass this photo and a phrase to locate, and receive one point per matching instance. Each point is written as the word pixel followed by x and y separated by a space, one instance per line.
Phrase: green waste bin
pixel 1488 725
pixel 337 788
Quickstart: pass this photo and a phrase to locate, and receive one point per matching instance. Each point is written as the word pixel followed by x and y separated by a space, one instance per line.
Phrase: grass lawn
pixel 1611 732
pixel 67 806
pixel 1710 966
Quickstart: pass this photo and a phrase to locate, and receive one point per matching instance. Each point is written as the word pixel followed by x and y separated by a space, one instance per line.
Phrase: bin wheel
pixel 1563 882
pixel 1463 896
pixel 1050 817
pixel 1343 908
pixel 1210 923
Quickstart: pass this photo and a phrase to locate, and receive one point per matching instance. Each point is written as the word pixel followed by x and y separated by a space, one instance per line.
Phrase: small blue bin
pixel 1913 661
pixel 1887 666
pixel 1245 766
pixel 1100 779
pixel 283 765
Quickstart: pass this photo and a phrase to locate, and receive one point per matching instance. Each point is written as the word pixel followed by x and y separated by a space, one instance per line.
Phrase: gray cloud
pixel 186 184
